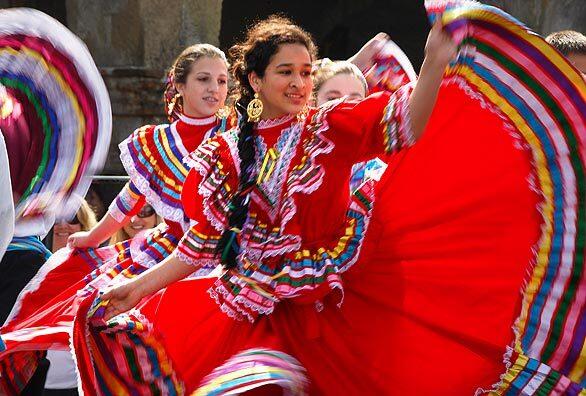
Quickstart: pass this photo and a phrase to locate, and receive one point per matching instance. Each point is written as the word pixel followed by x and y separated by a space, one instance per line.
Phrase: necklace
pixel 273 164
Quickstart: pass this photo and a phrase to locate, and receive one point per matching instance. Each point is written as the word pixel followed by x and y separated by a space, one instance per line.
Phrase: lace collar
pixel 197 121
pixel 273 122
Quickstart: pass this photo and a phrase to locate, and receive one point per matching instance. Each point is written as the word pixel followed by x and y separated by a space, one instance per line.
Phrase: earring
pixel 223 112
pixel 303 113
pixel 254 109
pixel 173 103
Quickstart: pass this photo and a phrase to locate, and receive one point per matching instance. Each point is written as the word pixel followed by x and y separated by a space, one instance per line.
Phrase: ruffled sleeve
pixel 151 157
pixel 209 188
pixel 128 203
pixel 376 125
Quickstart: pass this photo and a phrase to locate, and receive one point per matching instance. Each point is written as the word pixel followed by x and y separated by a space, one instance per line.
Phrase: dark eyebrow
pixel 291 64
pixel 209 74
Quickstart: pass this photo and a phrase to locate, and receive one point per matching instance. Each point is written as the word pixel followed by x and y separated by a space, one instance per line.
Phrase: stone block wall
pixel 133 43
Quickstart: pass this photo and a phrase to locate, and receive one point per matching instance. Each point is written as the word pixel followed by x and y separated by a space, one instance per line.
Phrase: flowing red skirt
pixel 429 307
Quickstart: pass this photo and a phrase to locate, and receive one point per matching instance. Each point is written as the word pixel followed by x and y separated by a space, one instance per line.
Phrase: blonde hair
pixel 568 42
pixel 121 235
pixel 86 216
pixel 324 69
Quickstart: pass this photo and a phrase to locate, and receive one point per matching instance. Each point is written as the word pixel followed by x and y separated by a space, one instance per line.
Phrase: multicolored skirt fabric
pixel 465 242
pixel 42 317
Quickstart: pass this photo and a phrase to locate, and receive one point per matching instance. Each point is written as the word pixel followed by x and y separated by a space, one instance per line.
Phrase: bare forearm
pixel 170 270
pixel 106 227
pixel 424 96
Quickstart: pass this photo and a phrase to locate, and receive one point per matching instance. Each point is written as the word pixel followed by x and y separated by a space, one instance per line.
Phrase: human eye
pixel 284 72
pixel 222 81
pixel 203 78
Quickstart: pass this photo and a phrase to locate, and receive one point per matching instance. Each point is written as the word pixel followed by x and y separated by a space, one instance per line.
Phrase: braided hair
pixel 253 55
pixel 179 72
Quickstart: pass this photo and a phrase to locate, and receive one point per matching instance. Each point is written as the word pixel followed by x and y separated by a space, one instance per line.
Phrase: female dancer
pixel 481 203
pixel 333 80
pixel 152 156
pixel 274 210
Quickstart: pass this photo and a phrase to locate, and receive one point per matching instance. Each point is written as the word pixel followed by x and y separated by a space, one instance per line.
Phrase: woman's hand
pixel 82 239
pixel 440 48
pixel 121 298
pixel 364 58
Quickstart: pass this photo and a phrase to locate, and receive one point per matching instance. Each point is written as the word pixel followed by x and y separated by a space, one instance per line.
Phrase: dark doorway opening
pixel 340 27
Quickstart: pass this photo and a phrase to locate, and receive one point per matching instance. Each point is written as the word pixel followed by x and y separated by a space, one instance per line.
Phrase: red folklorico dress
pixel 470 274
pixel 153 158
pixel 303 231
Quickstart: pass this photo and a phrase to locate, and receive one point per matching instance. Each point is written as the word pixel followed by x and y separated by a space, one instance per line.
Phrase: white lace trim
pixel 223 307
pixel 273 122
pixel 206 263
pixel 142 184
pixel 232 140
pixel 197 121
pixel 286 144
pixel 115 212
pixel 288 201
pixel 214 221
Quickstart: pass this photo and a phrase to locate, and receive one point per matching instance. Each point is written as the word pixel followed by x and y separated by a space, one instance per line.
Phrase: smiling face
pixel 145 219
pixel 343 84
pixel 286 85
pixel 205 88
pixel 61 232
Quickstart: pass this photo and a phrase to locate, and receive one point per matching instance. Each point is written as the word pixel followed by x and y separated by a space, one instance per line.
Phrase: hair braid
pixel 253 55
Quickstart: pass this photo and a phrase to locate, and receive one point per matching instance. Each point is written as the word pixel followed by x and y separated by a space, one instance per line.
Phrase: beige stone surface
pixel 133 43
pixel 546 16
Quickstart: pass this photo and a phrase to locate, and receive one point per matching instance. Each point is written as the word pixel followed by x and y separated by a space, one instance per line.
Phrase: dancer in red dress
pixel 478 207
pixel 153 157
pixel 273 207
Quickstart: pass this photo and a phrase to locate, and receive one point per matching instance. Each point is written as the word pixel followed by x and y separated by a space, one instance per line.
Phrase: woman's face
pixel 286 85
pixel 62 231
pixel 145 219
pixel 343 84
pixel 205 88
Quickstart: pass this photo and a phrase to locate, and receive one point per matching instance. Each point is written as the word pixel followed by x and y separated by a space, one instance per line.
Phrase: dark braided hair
pixel 253 55
pixel 179 72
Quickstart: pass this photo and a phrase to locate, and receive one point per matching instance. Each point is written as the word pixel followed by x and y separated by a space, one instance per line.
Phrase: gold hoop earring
pixel 254 109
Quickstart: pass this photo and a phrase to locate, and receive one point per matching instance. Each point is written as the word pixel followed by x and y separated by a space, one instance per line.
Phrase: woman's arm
pixel 128 202
pixel 363 59
pixel 105 228
pixel 127 295
pixel 440 49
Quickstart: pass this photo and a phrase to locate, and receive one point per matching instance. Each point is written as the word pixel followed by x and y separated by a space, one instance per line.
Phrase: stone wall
pixel 133 42
pixel 546 16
